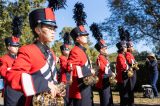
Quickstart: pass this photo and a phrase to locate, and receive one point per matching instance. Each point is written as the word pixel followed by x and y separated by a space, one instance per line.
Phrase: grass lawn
pixel 139 99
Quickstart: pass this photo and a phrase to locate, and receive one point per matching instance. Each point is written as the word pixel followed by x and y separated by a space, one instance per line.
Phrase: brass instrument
pixel 112 79
pixel 133 68
pixel 46 98
pixel 90 80
pixel 130 72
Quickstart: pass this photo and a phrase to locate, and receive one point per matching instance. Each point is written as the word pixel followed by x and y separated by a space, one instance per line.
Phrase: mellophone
pixel 132 68
pixel 46 98
pixel 112 79
pixel 90 80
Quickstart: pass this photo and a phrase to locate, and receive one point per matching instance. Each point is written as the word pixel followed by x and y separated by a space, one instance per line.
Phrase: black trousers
pixel 66 98
pixel 133 80
pixel 13 97
pixel 126 93
pixel 87 98
pixel 105 94
pixel 106 97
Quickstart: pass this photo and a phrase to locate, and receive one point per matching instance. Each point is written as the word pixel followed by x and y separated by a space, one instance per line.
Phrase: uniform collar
pixel 80 46
pixel 12 56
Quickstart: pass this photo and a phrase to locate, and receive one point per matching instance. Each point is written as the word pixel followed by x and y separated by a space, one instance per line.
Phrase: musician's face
pixel 104 50
pixel 46 33
pixel 130 49
pixel 13 49
pixel 82 39
pixel 66 52
pixel 124 49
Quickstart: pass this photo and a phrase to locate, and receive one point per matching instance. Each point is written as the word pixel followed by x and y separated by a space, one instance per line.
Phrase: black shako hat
pixel 16 32
pixel 100 44
pixel 12 41
pixel 42 16
pixel 78 31
pixel 64 47
pixel 121 44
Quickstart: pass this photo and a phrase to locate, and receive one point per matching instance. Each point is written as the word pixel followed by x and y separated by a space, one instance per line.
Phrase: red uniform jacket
pixel 8 61
pixel 30 72
pixel 121 66
pixel 63 68
pixel 80 68
pixel 104 69
pixel 130 58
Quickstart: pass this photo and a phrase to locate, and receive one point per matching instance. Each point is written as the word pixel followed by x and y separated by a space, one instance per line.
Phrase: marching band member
pixel 80 94
pixel 64 75
pixel 131 61
pixel 104 72
pixel 122 67
pixel 11 96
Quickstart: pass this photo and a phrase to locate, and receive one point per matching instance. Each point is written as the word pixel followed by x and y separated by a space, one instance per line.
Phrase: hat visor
pixel 52 23
pixel 84 34
pixel 15 44
pixel 104 46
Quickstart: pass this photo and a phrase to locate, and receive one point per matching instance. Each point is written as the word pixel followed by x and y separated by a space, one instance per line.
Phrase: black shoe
pixel 157 96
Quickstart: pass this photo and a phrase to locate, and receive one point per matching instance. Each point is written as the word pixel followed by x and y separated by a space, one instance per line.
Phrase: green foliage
pixel 5 21
pixel 10 9
pixel 141 56
pixel 56 48
pixel 112 57
pixel 92 53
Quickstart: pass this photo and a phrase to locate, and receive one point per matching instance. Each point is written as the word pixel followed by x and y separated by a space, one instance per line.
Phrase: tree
pixel 10 9
pixel 140 17
pixel 56 48
pixel 4 24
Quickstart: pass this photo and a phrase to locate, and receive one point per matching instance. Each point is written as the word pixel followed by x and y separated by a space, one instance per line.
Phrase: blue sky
pixel 96 11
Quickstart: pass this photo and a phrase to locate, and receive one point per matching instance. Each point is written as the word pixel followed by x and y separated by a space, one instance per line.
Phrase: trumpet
pixel 132 68
pixel 46 98
pixel 61 93
pixel 135 66
pixel 130 72
pixel 112 79
pixel 90 80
